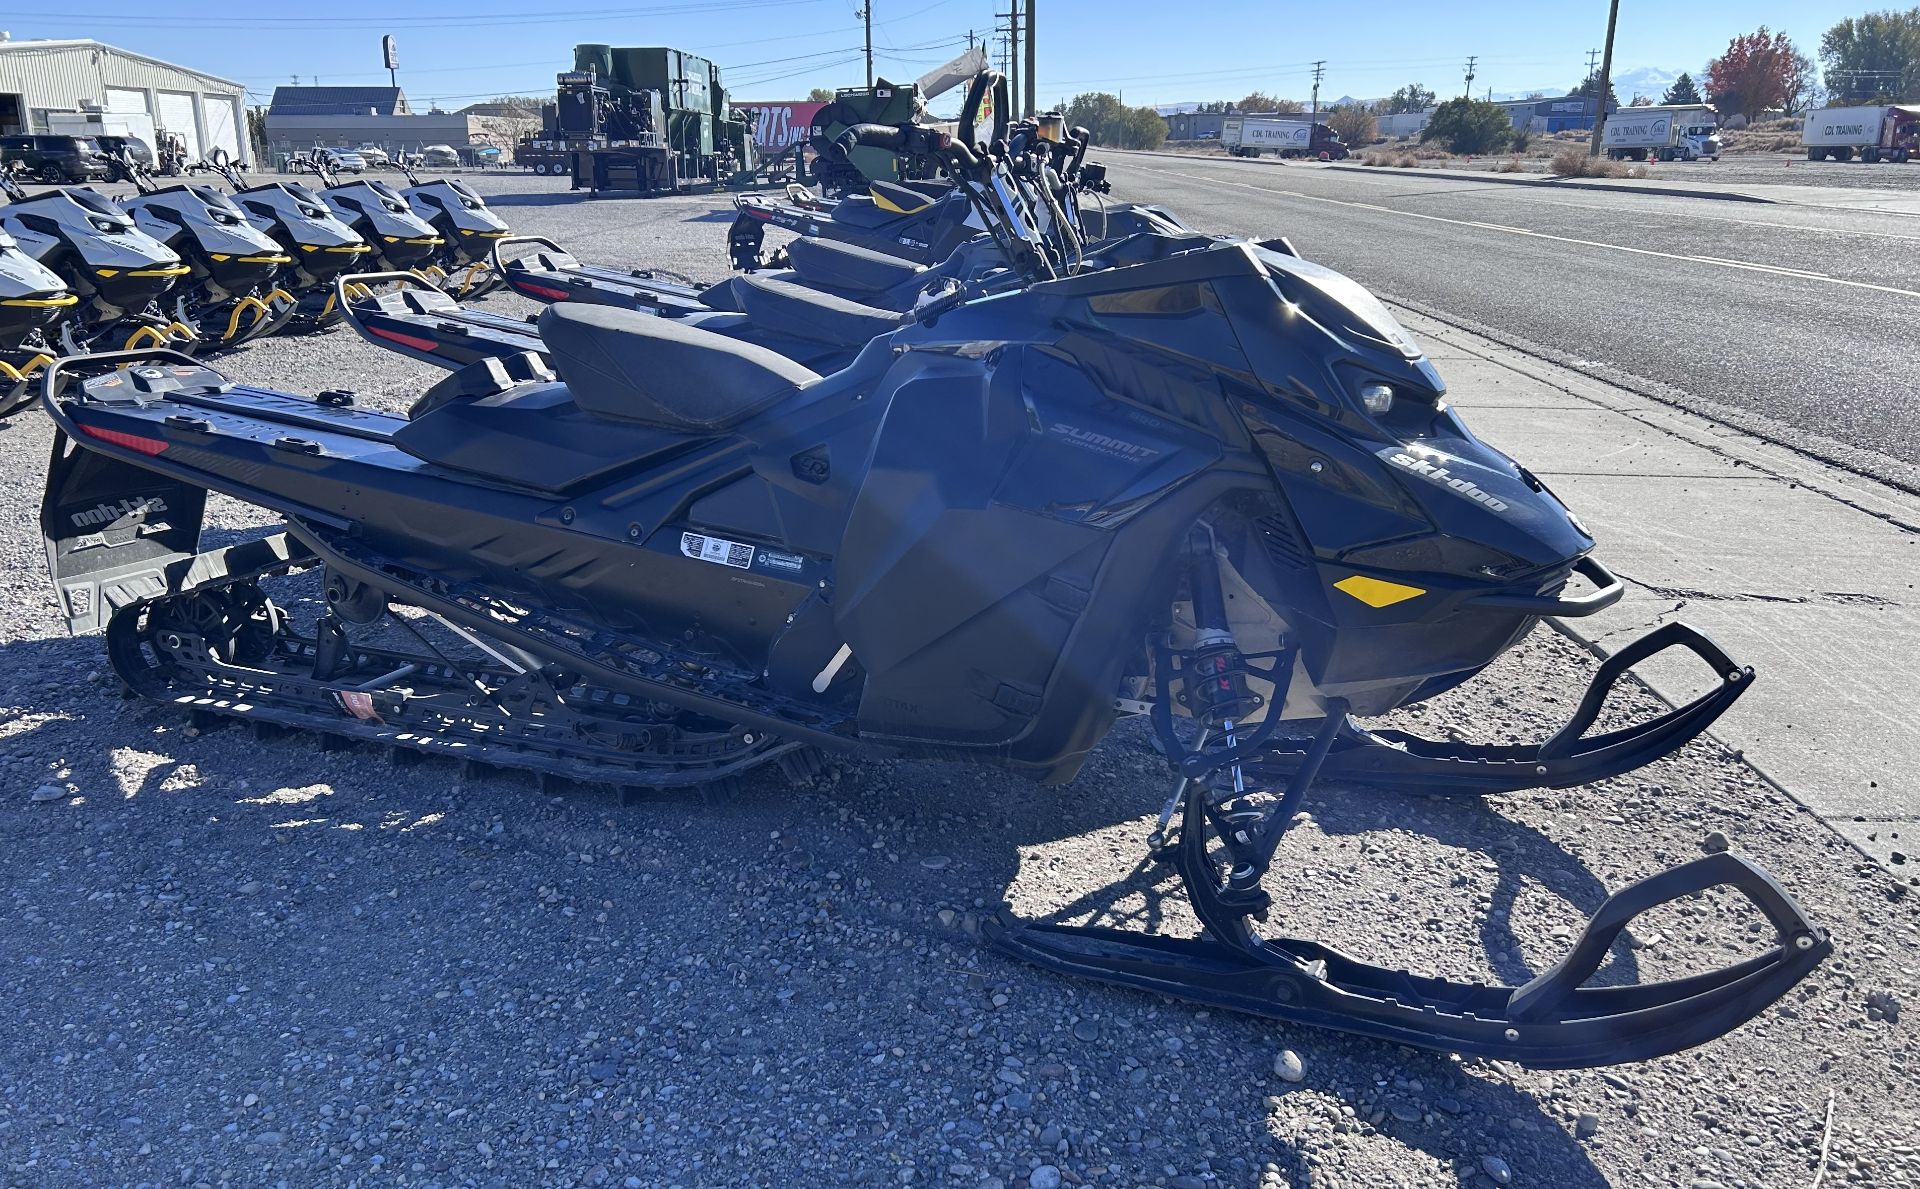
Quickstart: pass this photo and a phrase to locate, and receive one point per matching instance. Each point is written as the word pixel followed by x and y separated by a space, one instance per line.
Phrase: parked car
pixel 56 158
pixel 342 160
pixel 439 156
pixel 141 152
pixel 375 156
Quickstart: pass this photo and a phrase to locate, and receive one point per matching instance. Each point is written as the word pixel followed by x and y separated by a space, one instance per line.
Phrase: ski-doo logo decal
pixel 713 549
pixel 1100 443
pixel 109 513
pixel 1465 487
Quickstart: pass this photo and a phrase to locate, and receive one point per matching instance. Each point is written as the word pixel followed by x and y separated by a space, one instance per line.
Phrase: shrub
pixel 1510 165
pixel 1469 126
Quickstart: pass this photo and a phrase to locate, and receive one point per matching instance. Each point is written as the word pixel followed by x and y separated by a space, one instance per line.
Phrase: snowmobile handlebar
pixel 1608 588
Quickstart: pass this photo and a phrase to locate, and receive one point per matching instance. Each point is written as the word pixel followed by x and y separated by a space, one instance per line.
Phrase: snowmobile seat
pixel 899 199
pixel 627 366
pixel 848 266
pixel 791 309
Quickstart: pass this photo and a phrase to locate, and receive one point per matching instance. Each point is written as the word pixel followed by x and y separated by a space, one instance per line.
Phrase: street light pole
pixel 1606 80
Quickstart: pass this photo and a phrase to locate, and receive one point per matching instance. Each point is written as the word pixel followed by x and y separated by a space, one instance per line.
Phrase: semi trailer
pixel 1880 133
pixel 1249 136
pixel 1687 132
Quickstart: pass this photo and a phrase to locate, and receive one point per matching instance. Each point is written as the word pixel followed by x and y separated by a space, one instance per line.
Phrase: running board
pixel 418 320
pixel 555 275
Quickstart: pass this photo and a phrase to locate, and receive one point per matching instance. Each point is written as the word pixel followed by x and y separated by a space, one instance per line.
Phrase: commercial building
pixel 83 86
pixel 1537 116
pixel 302 118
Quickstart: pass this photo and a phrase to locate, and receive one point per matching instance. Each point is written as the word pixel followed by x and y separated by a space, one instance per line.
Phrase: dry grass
pixel 1575 163
pixel 1511 165
pixel 1400 161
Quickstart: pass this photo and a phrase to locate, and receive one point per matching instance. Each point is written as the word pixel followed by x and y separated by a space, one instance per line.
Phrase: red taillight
pixel 405 340
pixel 130 441
pixel 542 291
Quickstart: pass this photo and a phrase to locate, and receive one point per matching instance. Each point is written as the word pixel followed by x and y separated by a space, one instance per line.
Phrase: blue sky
pixel 1149 52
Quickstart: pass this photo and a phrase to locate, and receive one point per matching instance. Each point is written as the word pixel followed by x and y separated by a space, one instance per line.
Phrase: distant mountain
pixel 1650 81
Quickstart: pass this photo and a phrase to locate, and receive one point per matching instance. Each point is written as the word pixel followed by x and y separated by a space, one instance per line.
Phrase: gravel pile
pixel 240 963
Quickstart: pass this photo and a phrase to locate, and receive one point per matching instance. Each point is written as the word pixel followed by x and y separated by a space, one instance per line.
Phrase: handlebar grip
pixel 1083 139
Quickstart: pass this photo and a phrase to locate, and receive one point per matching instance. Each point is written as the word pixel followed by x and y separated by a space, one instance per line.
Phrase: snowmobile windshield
pixel 96 205
pixel 466 192
pixel 218 204
pixel 1353 310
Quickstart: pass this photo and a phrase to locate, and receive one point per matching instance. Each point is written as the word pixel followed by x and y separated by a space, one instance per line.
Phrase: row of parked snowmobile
pixel 188 267
pixel 976 510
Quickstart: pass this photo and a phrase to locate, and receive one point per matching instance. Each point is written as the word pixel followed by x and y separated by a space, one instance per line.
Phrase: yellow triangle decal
pixel 1377 592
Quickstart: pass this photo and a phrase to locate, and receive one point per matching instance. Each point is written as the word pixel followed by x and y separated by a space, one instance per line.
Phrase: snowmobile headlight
pixel 1377 399
pixel 106 225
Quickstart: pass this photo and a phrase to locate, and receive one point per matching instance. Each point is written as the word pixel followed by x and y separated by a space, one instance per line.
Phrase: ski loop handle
pixel 1607 591
pixel 1537 1000
pixel 50 378
pixel 1671 635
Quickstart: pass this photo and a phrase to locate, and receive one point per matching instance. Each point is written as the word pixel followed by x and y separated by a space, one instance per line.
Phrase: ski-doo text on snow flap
pixel 114 531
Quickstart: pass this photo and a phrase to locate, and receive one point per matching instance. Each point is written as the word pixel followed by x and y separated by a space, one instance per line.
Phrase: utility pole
pixel 1472 61
pixel 1319 72
pixel 1013 52
pixel 1606 80
pixel 866 15
pixel 1593 62
pixel 1031 71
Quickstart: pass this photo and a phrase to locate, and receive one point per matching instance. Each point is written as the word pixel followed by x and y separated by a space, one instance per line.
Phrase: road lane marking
pixel 1715 261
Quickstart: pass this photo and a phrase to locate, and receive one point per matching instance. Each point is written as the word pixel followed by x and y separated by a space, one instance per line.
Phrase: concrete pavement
pixel 1806 572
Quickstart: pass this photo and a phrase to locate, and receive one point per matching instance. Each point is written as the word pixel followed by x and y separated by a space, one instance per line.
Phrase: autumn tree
pixel 1261 103
pixel 1354 123
pixel 1757 72
pixel 1874 57
pixel 1682 92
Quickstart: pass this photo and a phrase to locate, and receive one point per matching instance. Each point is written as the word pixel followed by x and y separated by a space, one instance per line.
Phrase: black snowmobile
pixel 31 296
pixel 229 294
pixel 1219 486
pixel 119 273
pixel 797 313
pixel 924 222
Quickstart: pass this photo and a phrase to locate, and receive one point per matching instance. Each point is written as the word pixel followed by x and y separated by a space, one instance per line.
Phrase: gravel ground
pixel 248 965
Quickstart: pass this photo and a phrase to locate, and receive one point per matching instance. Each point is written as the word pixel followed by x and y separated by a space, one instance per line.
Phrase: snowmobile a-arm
pixel 1553 1021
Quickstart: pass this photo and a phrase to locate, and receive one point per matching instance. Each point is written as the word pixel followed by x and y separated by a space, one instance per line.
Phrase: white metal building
pixel 46 86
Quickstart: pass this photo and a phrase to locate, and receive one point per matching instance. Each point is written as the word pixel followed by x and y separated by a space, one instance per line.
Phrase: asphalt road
pixel 1793 322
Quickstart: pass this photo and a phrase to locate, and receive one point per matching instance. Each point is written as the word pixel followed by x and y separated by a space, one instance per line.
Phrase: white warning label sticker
pixel 713 549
